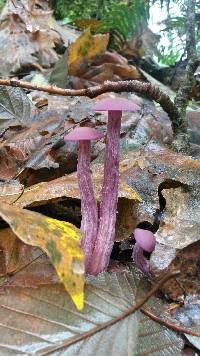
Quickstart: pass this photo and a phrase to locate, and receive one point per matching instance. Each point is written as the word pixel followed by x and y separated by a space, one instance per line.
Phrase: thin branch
pixel 136 86
pixel 169 325
pixel 111 322
pixel 19 196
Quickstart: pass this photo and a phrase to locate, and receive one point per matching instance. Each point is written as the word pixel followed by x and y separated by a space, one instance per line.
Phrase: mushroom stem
pixel 108 206
pixel 141 262
pixel 89 212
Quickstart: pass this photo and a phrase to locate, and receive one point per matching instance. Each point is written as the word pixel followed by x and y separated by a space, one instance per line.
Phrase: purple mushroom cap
pixel 83 134
pixel 116 104
pixel 145 239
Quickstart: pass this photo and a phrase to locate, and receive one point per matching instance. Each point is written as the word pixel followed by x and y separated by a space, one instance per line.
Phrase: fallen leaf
pixel 27 37
pixel 16 253
pixel 86 47
pixel 187 283
pixel 10 187
pixel 33 147
pixel 15 106
pixel 150 172
pixel 59 74
pixel 38 272
pixel 83 24
pixel 155 339
pixel 109 57
pixel 60 240
pixel 180 223
pixel 194 340
pixel 43 319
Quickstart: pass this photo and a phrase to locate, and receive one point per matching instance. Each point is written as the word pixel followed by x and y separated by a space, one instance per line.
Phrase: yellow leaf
pixel 86 47
pixel 129 192
pixel 93 24
pixel 59 239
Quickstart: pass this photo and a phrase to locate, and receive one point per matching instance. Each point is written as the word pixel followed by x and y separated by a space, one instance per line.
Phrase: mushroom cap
pixel 83 134
pixel 145 239
pixel 116 104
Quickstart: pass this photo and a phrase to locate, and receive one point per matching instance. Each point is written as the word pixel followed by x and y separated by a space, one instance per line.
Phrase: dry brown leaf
pixel 10 187
pixel 17 254
pixel 126 72
pixel 109 57
pixel 25 31
pixel 187 261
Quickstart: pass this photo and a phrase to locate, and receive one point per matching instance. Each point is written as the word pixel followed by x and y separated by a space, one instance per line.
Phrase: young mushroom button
pixel 108 207
pixel 89 212
pixel 145 241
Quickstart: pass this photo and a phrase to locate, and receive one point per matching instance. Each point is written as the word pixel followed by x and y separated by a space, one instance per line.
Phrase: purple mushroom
pixel 108 207
pixel 145 241
pixel 89 222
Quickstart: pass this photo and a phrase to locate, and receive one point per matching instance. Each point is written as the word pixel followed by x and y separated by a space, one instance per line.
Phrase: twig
pixel 169 325
pixel 19 196
pixel 111 322
pixel 145 89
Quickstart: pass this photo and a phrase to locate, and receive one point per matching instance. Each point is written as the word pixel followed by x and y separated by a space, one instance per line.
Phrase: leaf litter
pixel 151 183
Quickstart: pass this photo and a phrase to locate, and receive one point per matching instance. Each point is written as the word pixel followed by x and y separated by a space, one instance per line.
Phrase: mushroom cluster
pixel 99 229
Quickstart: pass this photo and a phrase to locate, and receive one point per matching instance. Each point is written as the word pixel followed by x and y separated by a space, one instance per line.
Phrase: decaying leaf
pixel 194 340
pixel 155 339
pixel 187 283
pixel 86 47
pixel 180 225
pixel 150 172
pixel 44 319
pixel 16 253
pixel 36 273
pixel 15 106
pixel 26 37
pixel 32 147
pixel 93 24
pixel 10 187
pixel 60 240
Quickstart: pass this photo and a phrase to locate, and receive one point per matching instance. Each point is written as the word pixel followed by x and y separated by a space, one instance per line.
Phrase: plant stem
pixel 89 222
pixel 108 207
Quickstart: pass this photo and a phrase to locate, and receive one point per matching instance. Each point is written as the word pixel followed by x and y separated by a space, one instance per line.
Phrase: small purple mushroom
pixel 145 241
pixel 89 211
pixel 108 207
